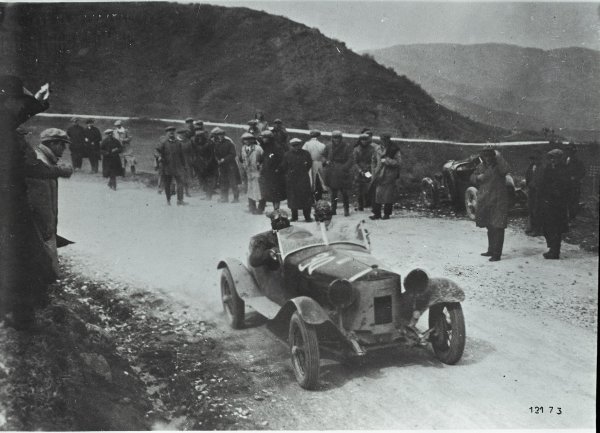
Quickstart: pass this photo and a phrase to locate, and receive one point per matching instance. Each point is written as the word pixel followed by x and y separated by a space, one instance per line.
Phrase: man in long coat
pixel 205 165
pixel 363 155
pixel 77 147
pixel 122 134
pixel 317 150
pixel 25 265
pixel 296 166
pixel 280 135
pixel 532 180
pixel 492 200
pixel 187 149
pixel 575 172
pixel 385 168
pixel 338 176
pixel 554 190
pixel 229 173
pixel 251 155
pixel 272 180
pixel 172 164
pixel 111 149
pixel 92 139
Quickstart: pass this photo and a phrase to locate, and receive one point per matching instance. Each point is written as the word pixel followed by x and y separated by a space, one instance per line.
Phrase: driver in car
pixel 264 246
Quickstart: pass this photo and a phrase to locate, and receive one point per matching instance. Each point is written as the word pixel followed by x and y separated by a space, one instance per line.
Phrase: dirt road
pixel 531 323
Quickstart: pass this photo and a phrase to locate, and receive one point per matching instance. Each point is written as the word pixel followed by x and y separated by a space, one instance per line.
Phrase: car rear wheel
pixel 233 305
pixel 304 352
pixel 449 336
pixel 471 202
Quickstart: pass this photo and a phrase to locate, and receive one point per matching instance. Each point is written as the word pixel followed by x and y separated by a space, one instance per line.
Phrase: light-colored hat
pixel 108 132
pixel 54 134
pixel 556 153
pixel 252 122
pixel 217 131
pixel 118 123
pixel 266 133
pixel 189 120
pixel 336 133
pixel 170 128
pixel 277 121
pixel 295 141
pixel 247 136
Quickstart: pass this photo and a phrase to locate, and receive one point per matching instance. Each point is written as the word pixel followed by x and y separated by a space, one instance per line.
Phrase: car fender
pixel 245 285
pixel 309 309
pixel 444 291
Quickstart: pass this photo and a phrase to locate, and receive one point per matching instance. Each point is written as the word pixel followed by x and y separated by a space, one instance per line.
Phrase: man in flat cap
pixel 296 166
pixel 338 171
pixel 251 155
pixel 111 149
pixel 188 158
pixel 191 127
pixel 280 135
pixel 77 146
pixel 173 165
pixel 554 190
pixel 229 173
pixel 575 172
pixel 43 193
pixel 385 168
pixel 363 155
pixel 92 139
pixel 122 134
pixel 316 149
pixel 205 165
pixel 272 180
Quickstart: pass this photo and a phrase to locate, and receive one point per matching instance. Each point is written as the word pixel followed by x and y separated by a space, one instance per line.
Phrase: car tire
pixel 233 305
pixel 449 336
pixel 304 352
pixel 471 202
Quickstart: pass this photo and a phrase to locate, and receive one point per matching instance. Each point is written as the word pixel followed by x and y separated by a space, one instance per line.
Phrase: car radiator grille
pixel 383 309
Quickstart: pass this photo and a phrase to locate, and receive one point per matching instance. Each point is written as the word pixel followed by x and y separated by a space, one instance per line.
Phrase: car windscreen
pixel 295 238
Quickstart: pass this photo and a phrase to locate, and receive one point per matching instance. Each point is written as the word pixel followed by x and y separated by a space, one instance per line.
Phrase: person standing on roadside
pixel 229 173
pixel 575 172
pixel 272 181
pixel 317 150
pixel 532 180
pixel 385 168
pixel 363 155
pixel 77 136
pixel 188 158
pixel 251 155
pixel 296 167
pixel 492 200
pixel 173 165
pixel 92 139
pixel 253 128
pixel 554 191
pixel 111 149
pixel 122 134
pixel 191 128
pixel 338 165
pixel 261 122
pixel 280 135
pixel 205 162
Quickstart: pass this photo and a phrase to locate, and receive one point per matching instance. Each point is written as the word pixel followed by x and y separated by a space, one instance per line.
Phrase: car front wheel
pixel 471 202
pixel 449 336
pixel 304 352
pixel 233 305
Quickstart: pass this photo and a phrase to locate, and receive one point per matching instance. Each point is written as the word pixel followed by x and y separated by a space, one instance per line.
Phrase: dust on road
pixel 531 323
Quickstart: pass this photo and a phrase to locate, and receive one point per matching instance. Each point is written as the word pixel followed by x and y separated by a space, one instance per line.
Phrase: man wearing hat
pixel 317 153
pixel 205 164
pixel 253 128
pixel 575 172
pixel 188 158
pixel 229 173
pixel 280 135
pixel 264 247
pixel 111 149
pixel 532 180
pixel 92 139
pixel 272 180
pixel 554 190
pixel 492 200
pixel 251 155
pixel 385 168
pixel 77 136
pixel 122 134
pixel 296 166
pixel 173 164
pixel 338 177
pixel 42 193
pixel 191 127
pixel 261 122
pixel 363 155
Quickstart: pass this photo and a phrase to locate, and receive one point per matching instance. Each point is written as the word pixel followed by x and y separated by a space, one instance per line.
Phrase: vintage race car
pixel 454 186
pixel 338 299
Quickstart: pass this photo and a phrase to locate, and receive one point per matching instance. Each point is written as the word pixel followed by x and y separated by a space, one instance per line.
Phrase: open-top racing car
pixel 338 299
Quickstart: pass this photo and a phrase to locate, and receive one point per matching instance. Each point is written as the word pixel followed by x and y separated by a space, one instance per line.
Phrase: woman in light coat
pixel 251 155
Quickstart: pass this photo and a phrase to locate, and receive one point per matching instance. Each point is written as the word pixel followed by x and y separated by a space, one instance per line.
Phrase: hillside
pixel 216 63
pixel 506 85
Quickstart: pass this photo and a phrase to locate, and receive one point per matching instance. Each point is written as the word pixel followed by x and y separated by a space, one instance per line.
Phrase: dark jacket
pixel 385 168
pixel 171 157
pixel 111 148
pixel 553 199
pixel 76 133
pixel 492 195
pixel 340 160
pixel 363 156
pixel 228 169
pixel 92 139
pixel 296 165
pixel 280 137
pixel 271 180
pixel 260 245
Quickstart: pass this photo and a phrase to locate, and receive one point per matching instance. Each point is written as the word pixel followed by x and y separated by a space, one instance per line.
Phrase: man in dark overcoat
pixel 532 180
pixel 280 135
pixel 172 164
pixel 492 200
pixel 385 168
pixel 338 171
pixel 187 149
pixel 271 180
pixel 363 155
pixel 575 172
pixel 205 165
pixel 554 190
pixel 92 139
pixel 77 147
pixel 111 149
pixel 229 173
pixel 296 166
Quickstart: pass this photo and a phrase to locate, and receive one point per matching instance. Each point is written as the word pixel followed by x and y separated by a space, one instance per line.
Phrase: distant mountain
pixel 217 63
pixel 506 85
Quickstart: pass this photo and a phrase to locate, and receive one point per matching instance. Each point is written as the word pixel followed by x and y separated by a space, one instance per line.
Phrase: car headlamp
pixel 341 293
pixel 417 280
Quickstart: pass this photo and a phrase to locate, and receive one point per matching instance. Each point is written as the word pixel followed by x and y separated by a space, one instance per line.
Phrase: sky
pixel 376 24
